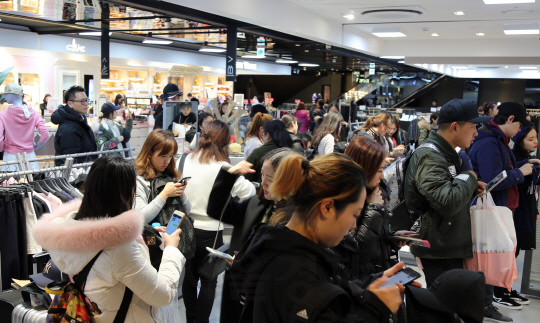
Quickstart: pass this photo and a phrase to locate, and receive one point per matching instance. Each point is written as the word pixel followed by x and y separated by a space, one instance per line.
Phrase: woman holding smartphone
pixel 286 273
pixel 75 233
pixel 203 166
pixel 155 163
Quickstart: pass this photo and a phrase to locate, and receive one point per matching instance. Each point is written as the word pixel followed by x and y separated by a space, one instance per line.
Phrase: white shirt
pixel 326 146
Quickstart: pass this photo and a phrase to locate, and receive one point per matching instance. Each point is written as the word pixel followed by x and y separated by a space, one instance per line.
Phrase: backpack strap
pixel 182 162
pixel 124 306
pixel 80 278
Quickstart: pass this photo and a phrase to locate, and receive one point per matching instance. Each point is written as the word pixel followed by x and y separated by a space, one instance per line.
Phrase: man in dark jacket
pixel 438 189
pixel 490 155
pixel 74 135
pixel 259 107
pixel 171 92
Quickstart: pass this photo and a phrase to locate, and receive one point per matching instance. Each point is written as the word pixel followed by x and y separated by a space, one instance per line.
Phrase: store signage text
pixel 183 70
pixel 76 48
pixel 246 66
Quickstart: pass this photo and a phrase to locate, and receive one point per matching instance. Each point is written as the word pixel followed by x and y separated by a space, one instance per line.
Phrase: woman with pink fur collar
pixel 77 231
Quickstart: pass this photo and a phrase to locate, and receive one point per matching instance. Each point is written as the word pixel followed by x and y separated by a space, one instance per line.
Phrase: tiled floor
pixel 529 313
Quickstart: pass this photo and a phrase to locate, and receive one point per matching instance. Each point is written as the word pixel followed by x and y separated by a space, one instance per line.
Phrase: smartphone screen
pixel 219 253
pixel 175 222
pixel 404 276
pixel 495 181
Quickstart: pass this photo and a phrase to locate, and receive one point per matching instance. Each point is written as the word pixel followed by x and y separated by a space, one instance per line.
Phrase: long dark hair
pixel 278 132
pixel 117 99
pixel 518 150
pixel 330 125
pixel 367 153
pixel 110 188
pixel 395 121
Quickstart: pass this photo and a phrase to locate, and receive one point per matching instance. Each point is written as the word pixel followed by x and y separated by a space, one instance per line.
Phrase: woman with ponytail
pixel 286 273
pixel 275 136
pixel 203 166
pixel 490 109
pixel 376 127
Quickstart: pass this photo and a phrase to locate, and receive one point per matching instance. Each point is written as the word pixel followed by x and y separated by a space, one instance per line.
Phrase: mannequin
pixel 17 126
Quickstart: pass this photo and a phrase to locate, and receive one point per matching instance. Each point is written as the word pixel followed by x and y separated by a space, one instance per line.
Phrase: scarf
pixel 513 193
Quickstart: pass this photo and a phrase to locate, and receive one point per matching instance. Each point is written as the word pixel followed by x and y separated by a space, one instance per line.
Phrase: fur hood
pixel 69 239
pixel 423 124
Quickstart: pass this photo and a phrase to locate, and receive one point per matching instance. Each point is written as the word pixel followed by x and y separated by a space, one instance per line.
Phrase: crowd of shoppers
pixel 311 238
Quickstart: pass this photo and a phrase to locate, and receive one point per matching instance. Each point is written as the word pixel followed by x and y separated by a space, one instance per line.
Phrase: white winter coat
pixel 124 261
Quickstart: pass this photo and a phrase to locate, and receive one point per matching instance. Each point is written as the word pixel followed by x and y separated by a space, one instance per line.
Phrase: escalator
pixel 420 92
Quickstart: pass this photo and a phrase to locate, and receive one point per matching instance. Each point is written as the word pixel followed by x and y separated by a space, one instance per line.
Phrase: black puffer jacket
pixel 367 251
pixel 73 136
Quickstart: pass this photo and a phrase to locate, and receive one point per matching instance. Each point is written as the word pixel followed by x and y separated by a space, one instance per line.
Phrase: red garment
pixel 513 193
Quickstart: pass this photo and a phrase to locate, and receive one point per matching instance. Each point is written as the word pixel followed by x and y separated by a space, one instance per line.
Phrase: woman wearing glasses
pixel 74 135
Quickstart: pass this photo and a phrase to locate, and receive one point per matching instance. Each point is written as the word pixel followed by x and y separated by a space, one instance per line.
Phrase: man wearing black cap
pixel 490 155
pixel 438 189
pixel 171 93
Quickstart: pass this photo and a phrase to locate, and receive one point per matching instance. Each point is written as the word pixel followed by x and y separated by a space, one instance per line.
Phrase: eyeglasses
pixel 83 102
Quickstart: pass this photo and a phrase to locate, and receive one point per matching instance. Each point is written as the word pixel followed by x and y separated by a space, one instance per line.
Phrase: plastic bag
pixel 494 243
pixel 151 121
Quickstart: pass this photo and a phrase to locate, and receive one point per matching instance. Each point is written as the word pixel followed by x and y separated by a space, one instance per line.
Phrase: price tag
pixel 246 101
pixel 252 101
pixel 297 101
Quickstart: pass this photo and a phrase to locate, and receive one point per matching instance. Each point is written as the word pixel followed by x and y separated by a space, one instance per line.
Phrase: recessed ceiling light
pixel 210 49
pixel 459 13
pixel 521 29
pixel 286 61
pixel 528 67
pixel 156 41
pixel 393 57
pixel 349 16
pixel 297 44
pixel 92 33
pixel 402 62
pixel 435 35
pixel 308 64
pixel 460 67
pixel 388 32
pixel 480 34
pixel 507 1
pixel 506 67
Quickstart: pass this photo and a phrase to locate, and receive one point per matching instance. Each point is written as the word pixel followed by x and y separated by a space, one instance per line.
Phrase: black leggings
pixel 199 308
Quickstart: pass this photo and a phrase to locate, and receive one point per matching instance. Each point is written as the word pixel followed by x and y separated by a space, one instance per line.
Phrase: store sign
pixel 270 99
pixel 76 48
pixel 296 101
pixel 371 71
pixel 371 65
pixel 252 101
pixel 261 46
pixel 230 64
pixel 246 66
pixel 183 70
pixel 246 101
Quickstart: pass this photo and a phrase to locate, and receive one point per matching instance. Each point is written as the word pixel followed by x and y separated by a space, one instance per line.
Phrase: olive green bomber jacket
pixel 436 188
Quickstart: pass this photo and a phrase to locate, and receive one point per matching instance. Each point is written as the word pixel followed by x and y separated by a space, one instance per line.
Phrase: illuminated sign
pixel 76 48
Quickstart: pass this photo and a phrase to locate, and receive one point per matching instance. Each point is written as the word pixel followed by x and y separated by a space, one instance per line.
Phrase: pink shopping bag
pixel 494 243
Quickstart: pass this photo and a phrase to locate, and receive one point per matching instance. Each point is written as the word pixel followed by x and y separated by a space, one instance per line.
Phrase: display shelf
pixel 113 88
pixel 136 79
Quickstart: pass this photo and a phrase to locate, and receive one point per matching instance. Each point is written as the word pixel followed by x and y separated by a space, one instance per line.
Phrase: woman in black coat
pixel 242 215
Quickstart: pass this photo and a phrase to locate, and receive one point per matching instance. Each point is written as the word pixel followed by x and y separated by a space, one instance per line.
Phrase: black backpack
pixel 187 237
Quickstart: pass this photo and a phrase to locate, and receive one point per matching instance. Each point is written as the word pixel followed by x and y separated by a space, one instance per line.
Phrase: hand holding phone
pixel 220 254
pixel 184 180
pixel 175 222
pixel 404 277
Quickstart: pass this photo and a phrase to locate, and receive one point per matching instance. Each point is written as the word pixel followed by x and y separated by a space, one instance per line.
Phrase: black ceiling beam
pixel 119 18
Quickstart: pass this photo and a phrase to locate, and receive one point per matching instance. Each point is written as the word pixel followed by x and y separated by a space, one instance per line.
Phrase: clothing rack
pixel 66 156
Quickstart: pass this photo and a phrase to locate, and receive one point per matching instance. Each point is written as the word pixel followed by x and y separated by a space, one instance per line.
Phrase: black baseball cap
pixel 457 291
pixel 108 107
pixel 517 110
pixel 460 110
pixel 50 274
pixel 171 90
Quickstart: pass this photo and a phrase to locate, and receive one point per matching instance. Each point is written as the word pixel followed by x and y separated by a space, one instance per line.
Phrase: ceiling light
pixel 480 34
pixel 435 35
pixel 459 13
pixel 157 42
pixel 506 67
pixel 521 29
pixel 392 57
pixel 507 1
pixel 388 32
pixel 252 56
pixel 92 33
pixel 308 64
pixel 460 67
pixel 402 62
pixel 297 44
pixel 286 61
pixel 349 16
pixel 210 49
pixel 528 67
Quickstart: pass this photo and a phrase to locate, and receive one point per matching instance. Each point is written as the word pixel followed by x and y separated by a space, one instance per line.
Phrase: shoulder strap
pixel 80 278
pixel 124 306
pixel 182 162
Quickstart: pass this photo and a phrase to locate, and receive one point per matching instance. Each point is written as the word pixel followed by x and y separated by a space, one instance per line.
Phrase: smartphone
pixel 175 222
pixel 495 181
pixel 404 276
pixel 415 241
pixel 184 180
pixel 219 253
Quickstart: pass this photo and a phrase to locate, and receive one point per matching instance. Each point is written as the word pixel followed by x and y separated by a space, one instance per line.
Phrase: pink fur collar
pixel 57 231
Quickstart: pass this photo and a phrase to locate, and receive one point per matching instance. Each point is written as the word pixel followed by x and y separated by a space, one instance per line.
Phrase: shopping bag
pixel 151 121
pixel 493 237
